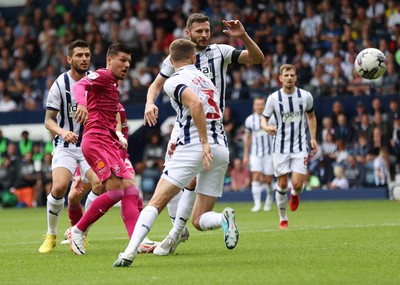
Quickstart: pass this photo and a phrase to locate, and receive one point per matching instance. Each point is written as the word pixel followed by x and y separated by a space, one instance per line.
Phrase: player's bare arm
pixel 195 106
pixel 312 125
pixel 151 110
pixel 253 53
pixel 246 148
pixel 81 114
pixel 118 129
pixel 50 123
pixel 271 130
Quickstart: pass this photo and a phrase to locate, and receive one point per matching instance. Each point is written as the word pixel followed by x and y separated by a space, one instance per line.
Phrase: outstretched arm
pixel 151 110
pixel 253 53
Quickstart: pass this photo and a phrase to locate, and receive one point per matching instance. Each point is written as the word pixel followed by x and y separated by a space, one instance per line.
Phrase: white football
pixel 370 63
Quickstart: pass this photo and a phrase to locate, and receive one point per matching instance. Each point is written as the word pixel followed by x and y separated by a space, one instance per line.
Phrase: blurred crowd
pixel 321 38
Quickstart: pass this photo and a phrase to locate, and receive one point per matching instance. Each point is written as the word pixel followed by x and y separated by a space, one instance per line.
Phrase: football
pixel 370 63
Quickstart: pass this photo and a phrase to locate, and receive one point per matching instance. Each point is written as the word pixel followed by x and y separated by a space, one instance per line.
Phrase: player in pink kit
pixel 100 144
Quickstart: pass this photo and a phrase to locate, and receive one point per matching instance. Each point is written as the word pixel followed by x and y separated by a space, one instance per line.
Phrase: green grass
pixel 350 242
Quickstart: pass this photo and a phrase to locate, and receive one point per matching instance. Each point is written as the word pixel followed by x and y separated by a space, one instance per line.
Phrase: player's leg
pixel 256 167
pixel 256 190
pixel 268 186
pixel 299 170
pixel 281 163
pixel 282 200
pixel 164 192
pixel 179 231
pixel 55 204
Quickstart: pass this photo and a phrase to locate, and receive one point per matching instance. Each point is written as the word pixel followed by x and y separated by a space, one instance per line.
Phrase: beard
pixel 79 70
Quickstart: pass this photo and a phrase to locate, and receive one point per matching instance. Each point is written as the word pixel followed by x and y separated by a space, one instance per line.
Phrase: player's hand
pixel 171 147
pixel 271 130
pixel 245 160
pixel 150 114
pixel 77 184
pixel 314 147
pixel 207 156
pixel 235 28
pixel 69 136
pixel 81 114
pixel 122 139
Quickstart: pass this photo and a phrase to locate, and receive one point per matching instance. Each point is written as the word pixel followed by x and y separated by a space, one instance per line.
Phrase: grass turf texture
pixel 346 242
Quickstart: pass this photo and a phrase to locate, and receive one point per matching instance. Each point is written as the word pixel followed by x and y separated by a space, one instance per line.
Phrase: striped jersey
pixel 189 76
pixel 289 111
pixel 61 99
pixel 261 141
pixel 213 62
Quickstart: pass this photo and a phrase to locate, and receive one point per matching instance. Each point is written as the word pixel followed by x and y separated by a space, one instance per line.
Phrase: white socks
pixel 90 198
pixel 281 202
pixel 210 221
pixel 183 213
pixel 256 190
pixel 54 210
pixel 269 196
pixel 172 206
pixel 146 220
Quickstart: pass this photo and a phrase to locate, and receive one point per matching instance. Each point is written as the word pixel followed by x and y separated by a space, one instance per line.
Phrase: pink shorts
pixel 102 154
pixel 123 153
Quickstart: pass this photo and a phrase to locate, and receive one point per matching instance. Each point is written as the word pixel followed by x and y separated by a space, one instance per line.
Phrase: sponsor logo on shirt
pixel 93 75
pixel 291 117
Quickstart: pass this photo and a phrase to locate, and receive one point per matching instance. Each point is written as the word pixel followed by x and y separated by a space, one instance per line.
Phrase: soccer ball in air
pixel 370 63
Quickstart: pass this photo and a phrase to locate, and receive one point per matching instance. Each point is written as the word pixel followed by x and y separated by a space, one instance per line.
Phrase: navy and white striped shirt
pixel 213 62
pixel 61 99
pixel 189 76
pixel 289 111
pixel 261 141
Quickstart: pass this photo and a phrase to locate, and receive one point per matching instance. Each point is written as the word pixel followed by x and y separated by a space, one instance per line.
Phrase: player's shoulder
pixel 99 73
pixel 304 92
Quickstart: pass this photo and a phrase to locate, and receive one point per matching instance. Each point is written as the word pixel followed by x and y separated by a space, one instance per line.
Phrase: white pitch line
pixel 245 230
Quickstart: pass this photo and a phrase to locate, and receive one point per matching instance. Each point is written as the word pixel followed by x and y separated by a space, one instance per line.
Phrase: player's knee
pixel 297 185
pixel 196 224
pixel 58 191
pixel 98 188
pixel 283 185
pixel 73 198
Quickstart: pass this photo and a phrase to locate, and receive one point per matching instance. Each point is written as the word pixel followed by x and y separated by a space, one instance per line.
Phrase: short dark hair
pixel 182 49
pixel 196 18
pixel 75 44
pixel 114 49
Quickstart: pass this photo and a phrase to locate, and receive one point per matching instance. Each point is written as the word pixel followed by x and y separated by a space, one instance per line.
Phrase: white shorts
pixel 186 163
pixel 262 164
pixel 290 162
pixel 70 158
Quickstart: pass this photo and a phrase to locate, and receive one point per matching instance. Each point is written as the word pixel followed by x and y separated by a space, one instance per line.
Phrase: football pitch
pixel 328 242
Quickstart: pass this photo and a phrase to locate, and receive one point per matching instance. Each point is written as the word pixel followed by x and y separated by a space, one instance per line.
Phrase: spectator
pixel 343 130
pixel 25 143
pixel 3 144
pixel 7 104
pixel 354 172
pixel 361 148
pixel 240 176
pixel 364 127
pixel 8 173
pixel 112 8
pixel 340 181
pixel 153 154
pixel 381 167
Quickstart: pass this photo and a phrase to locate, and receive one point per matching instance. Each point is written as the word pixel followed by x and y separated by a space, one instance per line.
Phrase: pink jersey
pixel 102 99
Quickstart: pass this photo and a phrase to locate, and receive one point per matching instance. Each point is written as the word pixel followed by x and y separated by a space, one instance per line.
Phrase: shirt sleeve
pixel 167 69
pixel 54 97
pixel 310 102
pixel 269 107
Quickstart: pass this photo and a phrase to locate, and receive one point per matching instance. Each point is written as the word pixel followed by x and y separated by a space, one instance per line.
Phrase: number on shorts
pixel 216 114
pixel 305 161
